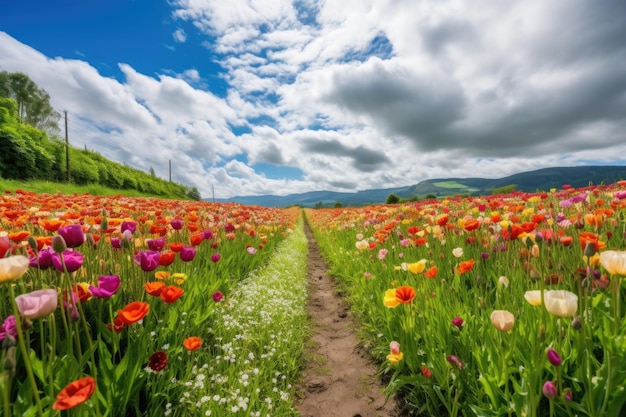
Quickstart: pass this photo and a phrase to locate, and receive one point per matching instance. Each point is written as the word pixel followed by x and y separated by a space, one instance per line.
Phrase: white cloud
pixel 460 89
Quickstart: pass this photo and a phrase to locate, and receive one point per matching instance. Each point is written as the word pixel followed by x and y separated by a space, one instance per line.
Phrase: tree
pixel 194 194
pixel 33 103
pixel 392 199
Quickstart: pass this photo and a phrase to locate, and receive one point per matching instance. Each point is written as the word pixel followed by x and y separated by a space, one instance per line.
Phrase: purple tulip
pixel 116 242
pixel 553 357
pixel 177 224
pixel 107 286
pixel 549 389
pixel 73 260
pixel 73 235
pixel 148 260
pixel 8 328
pixel 215 257
pixel 229 228
pixel 37 304
pixel 453 360
pixel 457 321
pixel 43 260
pixel 187 253
pixel 128 225
pixel 156 244
pixel 208 234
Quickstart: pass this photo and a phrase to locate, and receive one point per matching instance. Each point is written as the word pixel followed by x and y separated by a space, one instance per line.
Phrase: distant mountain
pixel 539 180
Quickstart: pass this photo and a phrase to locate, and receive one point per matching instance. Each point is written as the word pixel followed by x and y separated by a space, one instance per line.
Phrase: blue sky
pixel 279 97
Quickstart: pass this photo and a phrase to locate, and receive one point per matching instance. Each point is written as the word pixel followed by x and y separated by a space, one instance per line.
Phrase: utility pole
pixel 67 150
pixel 170 170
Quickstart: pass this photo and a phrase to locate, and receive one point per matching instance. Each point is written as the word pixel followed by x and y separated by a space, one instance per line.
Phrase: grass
pixel 47 187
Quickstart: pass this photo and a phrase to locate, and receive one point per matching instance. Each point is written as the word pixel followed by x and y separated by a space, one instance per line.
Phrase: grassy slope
pixel 42 187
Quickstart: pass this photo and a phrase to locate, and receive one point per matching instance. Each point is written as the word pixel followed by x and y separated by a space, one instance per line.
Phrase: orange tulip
pixel 154 288
pixel 75 393
pixel 196 239
pixel 133 312
pixel 171 293
pixel 192 343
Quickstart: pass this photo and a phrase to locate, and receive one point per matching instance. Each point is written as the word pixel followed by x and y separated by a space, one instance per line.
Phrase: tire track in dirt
pixel 339 379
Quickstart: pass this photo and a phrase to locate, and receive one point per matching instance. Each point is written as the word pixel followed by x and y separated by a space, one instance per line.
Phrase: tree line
pixel 31 149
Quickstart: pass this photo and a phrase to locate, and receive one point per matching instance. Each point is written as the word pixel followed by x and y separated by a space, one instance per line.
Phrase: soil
pixel 340 378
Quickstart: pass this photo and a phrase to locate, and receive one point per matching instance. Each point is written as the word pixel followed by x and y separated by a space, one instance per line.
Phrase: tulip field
pixel 506 305
pixel 116 306
pixel 503 305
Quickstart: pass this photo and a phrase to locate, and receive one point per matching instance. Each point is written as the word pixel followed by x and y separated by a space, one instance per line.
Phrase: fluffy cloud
pixel 358 94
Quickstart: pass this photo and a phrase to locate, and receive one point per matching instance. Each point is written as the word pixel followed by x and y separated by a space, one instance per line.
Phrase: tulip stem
pixel 25 355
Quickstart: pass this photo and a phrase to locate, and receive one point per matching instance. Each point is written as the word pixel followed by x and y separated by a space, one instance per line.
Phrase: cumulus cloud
pixel 358 94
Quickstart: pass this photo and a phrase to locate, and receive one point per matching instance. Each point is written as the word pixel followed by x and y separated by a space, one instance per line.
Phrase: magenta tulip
pixel 73 235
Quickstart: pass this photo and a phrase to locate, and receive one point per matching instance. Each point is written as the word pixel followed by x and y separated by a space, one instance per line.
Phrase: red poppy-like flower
pixel 592 239
pixel 218 296
pixel 175 247
pixel 471 224
pixel 465 266
pixel 17 237
pixel 154 288
pixel 133 312
pixel 171 293
pixel 405 294
pixel 51 225
pixel 75 393
pixel 192 343
pixel 426 372
pixel 431 272
pixel 157 361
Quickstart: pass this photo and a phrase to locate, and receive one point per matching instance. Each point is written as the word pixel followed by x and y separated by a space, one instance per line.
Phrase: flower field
pixel 474 306
pixel 507 305
pixel 118 306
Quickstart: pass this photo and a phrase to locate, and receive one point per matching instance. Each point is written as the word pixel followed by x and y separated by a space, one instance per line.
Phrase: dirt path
pixel 339 380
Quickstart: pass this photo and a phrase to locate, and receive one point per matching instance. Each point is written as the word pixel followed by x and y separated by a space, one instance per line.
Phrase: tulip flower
pixel 614 262
pixel 73 260
pixel 215 257
pixel 187 254
pixel 157 361
pixel 37 304
pixel 502 320
pixel 561 303
pixel 8 328
pixel 128 225
pixel 176 224
pixel 457 322
pixel 107 286
pixel 549 390
pixel 171 293
pixel 148 260
pixel 43 259
pixel 133 312
pixel 156 244
pixel 73 235
pixel 453 360
pixel 553 357
pixel 13 267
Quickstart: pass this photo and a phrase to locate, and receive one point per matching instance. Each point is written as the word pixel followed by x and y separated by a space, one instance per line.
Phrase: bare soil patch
pixel 339 379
